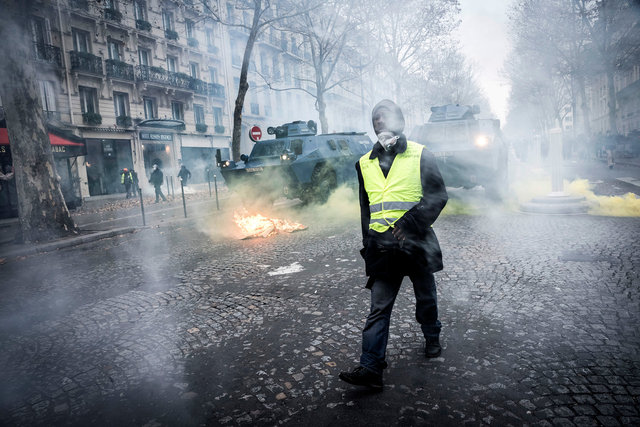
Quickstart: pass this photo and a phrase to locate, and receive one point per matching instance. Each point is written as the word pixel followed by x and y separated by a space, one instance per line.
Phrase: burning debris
pixel 260 226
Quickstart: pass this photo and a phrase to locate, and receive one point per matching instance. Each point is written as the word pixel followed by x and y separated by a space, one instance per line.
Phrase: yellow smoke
pixel 626 205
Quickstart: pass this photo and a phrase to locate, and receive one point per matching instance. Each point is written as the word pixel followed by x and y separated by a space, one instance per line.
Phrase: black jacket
pixel 156 178
pixel 382 251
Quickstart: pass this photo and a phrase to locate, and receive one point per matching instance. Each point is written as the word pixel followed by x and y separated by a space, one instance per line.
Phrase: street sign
pixel 255 133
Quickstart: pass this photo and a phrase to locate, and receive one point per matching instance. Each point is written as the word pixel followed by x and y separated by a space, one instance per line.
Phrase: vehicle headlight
pixel 225 164
pixel 481 141
pixel 284 156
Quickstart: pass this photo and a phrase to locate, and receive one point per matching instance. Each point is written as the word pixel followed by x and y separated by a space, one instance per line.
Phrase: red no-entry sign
pixel 255 134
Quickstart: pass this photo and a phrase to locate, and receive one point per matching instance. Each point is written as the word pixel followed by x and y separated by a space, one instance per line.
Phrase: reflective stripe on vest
pixel 393 196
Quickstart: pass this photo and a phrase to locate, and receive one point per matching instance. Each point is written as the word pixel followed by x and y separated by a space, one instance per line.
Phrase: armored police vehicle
pixel 297 163
pixel 468 151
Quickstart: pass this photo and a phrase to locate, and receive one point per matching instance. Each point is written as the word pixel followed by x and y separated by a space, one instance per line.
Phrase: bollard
pixel 144 222
pixel 167 178
pixel 184 203
pixel 209 181
pixel 173 193
pixel 215 182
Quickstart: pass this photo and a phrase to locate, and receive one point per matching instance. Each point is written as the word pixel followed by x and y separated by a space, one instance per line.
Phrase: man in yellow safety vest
pixel 401 195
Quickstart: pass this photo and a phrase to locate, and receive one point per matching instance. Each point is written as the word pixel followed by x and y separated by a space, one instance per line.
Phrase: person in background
pixel 136 184
pixel 126 178
pixel 401 195
pixel 184 175
pixel 156 179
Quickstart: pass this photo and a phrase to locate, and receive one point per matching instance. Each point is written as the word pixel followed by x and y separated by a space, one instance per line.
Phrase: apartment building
pixel 134 83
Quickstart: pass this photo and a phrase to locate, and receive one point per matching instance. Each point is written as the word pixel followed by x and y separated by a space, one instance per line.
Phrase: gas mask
pixel 387 140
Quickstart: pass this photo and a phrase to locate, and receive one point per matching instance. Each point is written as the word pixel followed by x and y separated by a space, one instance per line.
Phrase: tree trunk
pixel 584 106
pixel 42 211
pixel 244 85
pixel 321 106
pixel 611 103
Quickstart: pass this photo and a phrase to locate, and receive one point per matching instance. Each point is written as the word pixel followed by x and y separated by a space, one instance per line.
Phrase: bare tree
pixel 410 35
pixel 614 27
pixel 41 207
pixel 325 33
pixel 262 14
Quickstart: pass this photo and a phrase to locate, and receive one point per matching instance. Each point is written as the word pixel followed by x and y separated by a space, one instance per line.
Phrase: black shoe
pixel 362 376
pixel 432 348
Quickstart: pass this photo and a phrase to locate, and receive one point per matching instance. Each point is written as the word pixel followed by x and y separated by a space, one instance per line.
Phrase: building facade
pixel 146 82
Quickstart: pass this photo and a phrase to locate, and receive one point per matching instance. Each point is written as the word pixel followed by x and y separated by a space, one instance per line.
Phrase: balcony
pixel 152 74
pixel 123 121
pixel 143 25
pixel 113 15
pixel 218 129
pixel 119 69
pixel 201 127
pixel 91 119
pixel 192 42
pixel 47 53
pixel 85 62
pixel 212 49
pixel 171 35
pixel 216 90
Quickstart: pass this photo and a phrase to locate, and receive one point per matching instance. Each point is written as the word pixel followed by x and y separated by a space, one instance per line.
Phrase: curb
pixel 68 242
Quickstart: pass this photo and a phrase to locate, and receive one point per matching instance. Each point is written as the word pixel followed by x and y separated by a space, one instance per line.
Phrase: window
pixel 213 75
pixel 47 96
pixel 171 63
pixel 121 104
pixel 191 28
pixel 236 83
pixel 276 68
pixel 194 69
pixel 149 108
pixel 210 37
pixel 167 20
pixel 40 31
pixel 80 40
pixel 114 50
pixel 217 116
pixel 143 56
pixel 88 98
pixel 177 110
pixel 198 113
pixel 255 109
pixel 296 146
pixel 110 4
pixel 140 10
pixel 230 13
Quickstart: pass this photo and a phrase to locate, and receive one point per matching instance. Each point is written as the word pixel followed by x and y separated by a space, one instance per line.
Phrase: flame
pixel 260 226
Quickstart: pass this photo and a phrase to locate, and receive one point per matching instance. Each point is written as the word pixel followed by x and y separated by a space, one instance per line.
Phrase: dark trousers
pixel 159 193
pixel 127 188
pixel 383 294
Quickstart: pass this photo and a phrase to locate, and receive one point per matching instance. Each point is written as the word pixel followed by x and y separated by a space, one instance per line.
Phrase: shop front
pixel 157 150
pixel 199 155
pixel 104 162
pixel 66 148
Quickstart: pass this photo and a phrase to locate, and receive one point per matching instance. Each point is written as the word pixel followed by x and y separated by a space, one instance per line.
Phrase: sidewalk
pixel 102 217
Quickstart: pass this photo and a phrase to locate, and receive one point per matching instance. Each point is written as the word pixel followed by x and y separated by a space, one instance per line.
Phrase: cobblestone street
pixel 174 325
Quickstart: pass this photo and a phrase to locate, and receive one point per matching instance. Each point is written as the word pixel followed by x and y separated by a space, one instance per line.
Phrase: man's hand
pixel 398 233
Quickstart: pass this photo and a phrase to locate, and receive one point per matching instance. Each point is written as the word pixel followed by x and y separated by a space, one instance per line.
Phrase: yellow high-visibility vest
pixel 393 196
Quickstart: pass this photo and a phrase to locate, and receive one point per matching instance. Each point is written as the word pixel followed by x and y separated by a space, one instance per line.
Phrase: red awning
pixel 62 147
pixel 55 139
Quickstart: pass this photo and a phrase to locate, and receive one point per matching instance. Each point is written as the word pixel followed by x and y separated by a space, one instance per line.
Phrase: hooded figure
pixel 398 205
pixel 156 179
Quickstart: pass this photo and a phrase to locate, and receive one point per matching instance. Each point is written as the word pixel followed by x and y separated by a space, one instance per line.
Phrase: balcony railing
pixel 201 127
pixel 179 80
pixel 48 53
pixel 216 90
pixel 192 42
pixel 123 121
pixel 171 34
pixel 143 25
pixel 152 74
pixel 83 61
pixel 119 69
pixel 219 129
pixel 212 49
pixel 113 15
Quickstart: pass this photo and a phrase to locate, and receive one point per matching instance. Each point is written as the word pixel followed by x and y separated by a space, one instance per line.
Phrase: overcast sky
pixel 483 36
